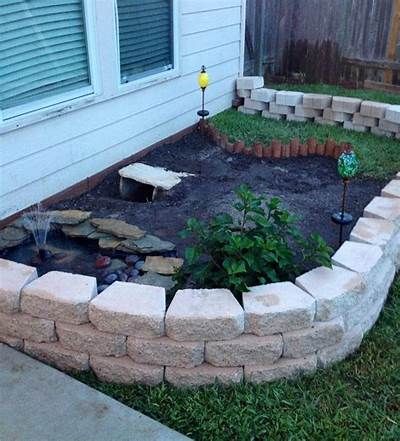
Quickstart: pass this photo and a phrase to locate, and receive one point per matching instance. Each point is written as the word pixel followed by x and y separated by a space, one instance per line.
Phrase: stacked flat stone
pixel 351 113
pixel 127 335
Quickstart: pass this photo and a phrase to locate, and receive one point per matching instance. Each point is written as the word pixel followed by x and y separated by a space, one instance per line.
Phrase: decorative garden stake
pixel 348 166
pixel 203 81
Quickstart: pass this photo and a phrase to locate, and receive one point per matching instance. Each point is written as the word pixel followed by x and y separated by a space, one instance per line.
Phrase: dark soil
pixel 309 187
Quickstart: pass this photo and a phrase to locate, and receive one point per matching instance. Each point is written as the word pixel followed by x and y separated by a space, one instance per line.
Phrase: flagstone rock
pixel 109 243
pixel 56 355
pixel 83 229
pixel 130 309
pixel 204 314
pixel 166 352
pixel 334 289
pixel 69 217
pixel 146 245
pixel 12 236
pixel 59 296
pixel 203 375
pixel 162 265
pixel 117 228
pixel 154 279
pixel 288 368
pixel 123 370
pixel 13 277
pixel 277 307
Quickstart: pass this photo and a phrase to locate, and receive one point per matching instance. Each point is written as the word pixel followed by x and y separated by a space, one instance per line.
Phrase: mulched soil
pixel 309 187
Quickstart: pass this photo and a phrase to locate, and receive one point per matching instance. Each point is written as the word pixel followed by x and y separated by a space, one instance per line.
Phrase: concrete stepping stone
pixel 157 177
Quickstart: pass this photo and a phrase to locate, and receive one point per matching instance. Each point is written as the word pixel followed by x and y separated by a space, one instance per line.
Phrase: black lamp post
pixel 203 82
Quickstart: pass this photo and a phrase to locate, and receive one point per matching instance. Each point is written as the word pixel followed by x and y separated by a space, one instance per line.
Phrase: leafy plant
pixel 262 246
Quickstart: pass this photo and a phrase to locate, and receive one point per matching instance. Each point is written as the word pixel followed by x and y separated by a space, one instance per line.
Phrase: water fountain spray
pixel 38 222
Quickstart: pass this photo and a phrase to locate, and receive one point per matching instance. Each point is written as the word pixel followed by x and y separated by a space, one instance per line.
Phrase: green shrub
pixel 263 246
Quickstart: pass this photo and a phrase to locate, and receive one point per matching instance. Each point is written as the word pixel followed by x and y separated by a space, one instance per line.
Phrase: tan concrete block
pixel 59 296
pixel 332 354
pixel 389 126
pixel 166 352
pixel 384 208
pixel 249 82
pixel 246 349
pixel 277 307
pixel 335 290
pixel 56 355
pixel 345 104
pixel 13 277
pixel 393 114
pixel 203 375
pixel 86 338
pixel 27 327
pixel 289 98
pixel 373 109
pixel 254 105
pixel 356 127
pixel 317 101
pixel 373 231
pixel 363 120
pixel 281 109
pixel 204 314
pixel 332 115
pixel 379 132
pixel 326 122
pixel 284 368
pixel 302 119
pixel 13 342
pixel 122 370
pixel 247 111
pixel 391 190
pixel 264 95
pixel 307 112
pixel 130 309
pixel 243 93
pixel 306 341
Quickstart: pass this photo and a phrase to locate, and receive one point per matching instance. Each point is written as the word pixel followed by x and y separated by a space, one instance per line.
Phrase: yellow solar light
pixel 204 81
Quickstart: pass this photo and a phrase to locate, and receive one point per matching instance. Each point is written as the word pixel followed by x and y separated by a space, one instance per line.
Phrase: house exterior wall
pixel 45 154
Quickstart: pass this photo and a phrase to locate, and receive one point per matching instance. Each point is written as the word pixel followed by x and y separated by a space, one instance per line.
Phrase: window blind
pixel 42 50
pixel 145 37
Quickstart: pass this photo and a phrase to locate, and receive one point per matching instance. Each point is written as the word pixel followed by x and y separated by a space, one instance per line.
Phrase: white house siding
pixel 46 157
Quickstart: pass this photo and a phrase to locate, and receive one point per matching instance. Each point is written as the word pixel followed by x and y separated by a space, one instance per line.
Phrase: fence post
pixel 259 32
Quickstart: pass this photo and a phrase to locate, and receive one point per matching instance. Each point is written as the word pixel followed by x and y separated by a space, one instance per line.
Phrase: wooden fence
pixel 332 41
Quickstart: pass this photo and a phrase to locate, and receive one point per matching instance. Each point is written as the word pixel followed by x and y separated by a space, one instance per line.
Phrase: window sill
pixel 65 107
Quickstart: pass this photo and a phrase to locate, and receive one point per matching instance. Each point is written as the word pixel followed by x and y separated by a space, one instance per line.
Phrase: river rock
pixel 132 259
pixel 69 217
pixel 146 245
pixel 83 229
pixel 139 265
pixel 102 262
pixel 162 265
pixel 110 278
pixel 118 228
pixel 155 279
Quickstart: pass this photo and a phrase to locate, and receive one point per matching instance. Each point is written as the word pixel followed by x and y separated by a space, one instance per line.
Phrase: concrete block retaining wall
pixel 351 113
pixel 127 335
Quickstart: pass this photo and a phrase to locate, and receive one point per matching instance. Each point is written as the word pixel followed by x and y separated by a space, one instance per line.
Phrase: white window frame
pixel 103 55
pixel 149 80
pixel 58 101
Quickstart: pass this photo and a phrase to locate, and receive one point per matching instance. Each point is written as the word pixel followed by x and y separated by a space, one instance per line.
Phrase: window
pixel 145 38
pixel 43 53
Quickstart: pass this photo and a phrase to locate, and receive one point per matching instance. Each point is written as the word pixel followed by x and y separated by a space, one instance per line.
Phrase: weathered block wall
pixel 351 113
pixel 127 335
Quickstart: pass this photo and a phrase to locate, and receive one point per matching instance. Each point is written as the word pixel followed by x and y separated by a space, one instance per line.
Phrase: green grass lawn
pixel 357 399
pixel 379 156
pixel 370 95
